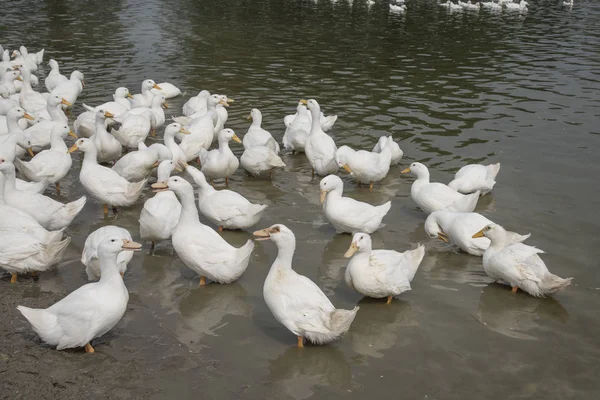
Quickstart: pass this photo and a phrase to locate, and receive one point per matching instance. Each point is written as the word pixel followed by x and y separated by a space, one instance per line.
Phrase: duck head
pixel 360 242
pixel 329 183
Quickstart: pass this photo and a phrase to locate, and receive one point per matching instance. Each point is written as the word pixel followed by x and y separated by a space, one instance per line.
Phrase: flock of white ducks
pixel 117 165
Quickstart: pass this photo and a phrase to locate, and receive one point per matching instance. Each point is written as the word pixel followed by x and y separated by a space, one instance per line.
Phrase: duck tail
pixel 276 162
pixel 43 323
pixel 493 170
pixel 341 320
pixel 70 210
pixel 514 237
pixel 135 188
pixel 55 251
pixel 384 208
pixel 89 108
pixel 245 251
pixel 553 283
pixel 466 203
pixel 415 257
pixel 53 236
pixel 25 169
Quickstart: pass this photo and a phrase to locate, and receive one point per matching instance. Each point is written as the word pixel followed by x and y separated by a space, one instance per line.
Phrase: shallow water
pixel 452 88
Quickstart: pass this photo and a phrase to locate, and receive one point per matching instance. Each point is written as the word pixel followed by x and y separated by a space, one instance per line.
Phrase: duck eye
pixel 113 240
pixel 276 229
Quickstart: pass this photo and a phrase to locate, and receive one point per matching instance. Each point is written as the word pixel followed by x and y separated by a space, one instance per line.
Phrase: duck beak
pixel 108 114
pixel 224 103
pixel 129 95
pixel 72 149
pixel 353 249
pixel 131 245
pixel 30 151
pixel 250 118
pixel 405 171
pixel 304 102
pixel 184 131
pixel 443 237
pixel 72 134
pixel 323 195
pixel 19 78
pixel 160 187
pixel 262 234
pixel 29 117
pixel 230 100
pixel 478 234
pixel 165 105
pixel 347 168
pixel 66 103
pixel 236 138
pixel 156 87
pixel 82 83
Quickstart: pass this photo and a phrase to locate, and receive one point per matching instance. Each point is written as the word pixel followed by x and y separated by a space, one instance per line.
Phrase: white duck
pixel 90 256
pixel 380 273
pixel 71 89
pixel 103 183
pixel 202 130
pixel 145 98
pixel 32 101
pixel 33 187
pixel 21 253
pixel 53 110
pixel 256 135
pixel 365 166
pixel 297 302
pixel 7 81
pixel 433 196
pixel 220 163
pixel 469 6
pixel 15 122
pixel 326 122
pixel 177 154
pixel 225 208
pixel 90 311
pixel 167 89
pixel 160 213
pixel 53 164
pixel 14 220
pixel 397 8
pixel 296 133
pixel 474 177
pixel 201 248
pixel 451 6
pixel 518 264
pixel 457 229
pixel 134 130
pixel 196 104
pixel 137 165
pixel 39 135
pixel 320 148
pixel 107 147
pixel 259 159
pixel 520 7
pixel 5 106
pixel 21 60
pixel 155 115
pixel 346 214
pixel 50 213
pixel 54 77
pixel 118 106
pixel 397 153
pixel 491 5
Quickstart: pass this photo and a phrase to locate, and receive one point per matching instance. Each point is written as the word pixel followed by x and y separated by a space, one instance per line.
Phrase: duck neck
pixel 12 123
pixel 56 113
pixel 285 254
pixel 90 157
pixel 205 190
pixel 109 268
pixel 362 256
pixel 315 127
pixel 9 179
pixel 57 143
pixel 332 195
pixel 256 121
pixel 224 146
pixel 189 212
pixel 101 127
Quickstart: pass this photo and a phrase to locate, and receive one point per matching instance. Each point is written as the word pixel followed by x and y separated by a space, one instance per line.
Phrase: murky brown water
pixel 453 88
